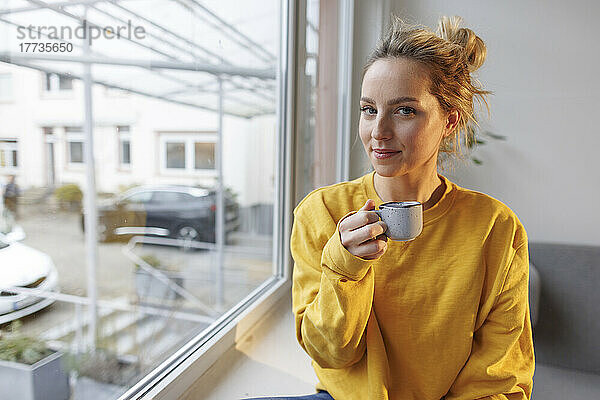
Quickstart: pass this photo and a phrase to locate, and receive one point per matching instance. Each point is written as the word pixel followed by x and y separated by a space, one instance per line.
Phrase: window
pixel 74 144
pixel 188 152
pixel 124 146
pixel 8 154
pixel 131 300
pixel 204 155
pixel 141 197
pixel 170 197
pixel 175 155
pixel 6 87
pixel 57 83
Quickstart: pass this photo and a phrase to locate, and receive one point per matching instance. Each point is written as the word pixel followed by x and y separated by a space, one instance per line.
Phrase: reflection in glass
pixel 175 155
pixel 204 155
pixel 160 274
pixel 75 152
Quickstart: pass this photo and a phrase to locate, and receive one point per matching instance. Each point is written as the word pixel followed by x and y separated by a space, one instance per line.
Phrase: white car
pixel 23 266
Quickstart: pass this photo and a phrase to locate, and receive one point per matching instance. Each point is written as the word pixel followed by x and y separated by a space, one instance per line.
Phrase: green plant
pixel 155 262
pixel 70 193
pixel 19 348
pixel 476 138
pixel 124 188
pixel 101 365
pixel 150 259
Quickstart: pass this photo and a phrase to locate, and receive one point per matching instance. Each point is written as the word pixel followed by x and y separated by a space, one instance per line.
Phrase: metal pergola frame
pixel 258 82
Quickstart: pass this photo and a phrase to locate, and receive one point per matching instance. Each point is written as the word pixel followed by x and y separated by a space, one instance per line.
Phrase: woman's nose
pixel 382 129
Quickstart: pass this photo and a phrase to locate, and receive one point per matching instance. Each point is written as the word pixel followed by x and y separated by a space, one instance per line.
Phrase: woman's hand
pixel 362 233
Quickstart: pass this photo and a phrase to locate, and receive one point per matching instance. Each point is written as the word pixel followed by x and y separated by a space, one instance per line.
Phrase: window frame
pixel 8 146
pixel 173 377
pixel 123 136
pixel 189 139
pixel 74 137
pixel 10 95
pixel 52 83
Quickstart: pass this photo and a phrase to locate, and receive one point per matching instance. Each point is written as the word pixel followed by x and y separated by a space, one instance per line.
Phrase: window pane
pixel 76 152
pixel 6 91
pixel 148 218
pixel 65 83
pixel 204 155
pixel 14 158
pixel 49 81
pixel 125 152
pixel 142 197
pixel 175 155
pixel 170 197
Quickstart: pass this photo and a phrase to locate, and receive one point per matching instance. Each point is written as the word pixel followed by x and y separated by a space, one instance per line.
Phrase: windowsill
pixel 266 361
pixel 75 167
pixel 176 172
pixel 66 94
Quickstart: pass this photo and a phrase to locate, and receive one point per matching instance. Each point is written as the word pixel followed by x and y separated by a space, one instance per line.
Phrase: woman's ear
pixel 451 122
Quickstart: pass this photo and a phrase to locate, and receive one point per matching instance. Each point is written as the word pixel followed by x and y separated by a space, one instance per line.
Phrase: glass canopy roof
pixel 174 50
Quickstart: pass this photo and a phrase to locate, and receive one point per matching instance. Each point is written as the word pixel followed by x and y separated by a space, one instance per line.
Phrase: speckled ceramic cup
pixel 404 219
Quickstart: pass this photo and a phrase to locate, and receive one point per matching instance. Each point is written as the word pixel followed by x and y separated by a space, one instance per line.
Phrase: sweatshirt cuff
pixel 337 258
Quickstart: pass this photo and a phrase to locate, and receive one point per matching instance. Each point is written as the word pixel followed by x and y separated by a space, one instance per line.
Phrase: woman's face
pixel 401 123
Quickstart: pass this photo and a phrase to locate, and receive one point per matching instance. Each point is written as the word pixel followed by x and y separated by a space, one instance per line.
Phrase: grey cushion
pixel 554 383
pixel 535 289
pixel 567 333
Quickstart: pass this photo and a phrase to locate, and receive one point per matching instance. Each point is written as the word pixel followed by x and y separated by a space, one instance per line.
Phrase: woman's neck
pixel 427 190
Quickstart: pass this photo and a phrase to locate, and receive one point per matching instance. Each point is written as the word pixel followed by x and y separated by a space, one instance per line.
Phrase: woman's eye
pixel 368 110
pixel 405 110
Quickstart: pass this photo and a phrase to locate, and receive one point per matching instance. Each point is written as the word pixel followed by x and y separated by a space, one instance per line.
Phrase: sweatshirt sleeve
pixel 501 363
pixel 332 292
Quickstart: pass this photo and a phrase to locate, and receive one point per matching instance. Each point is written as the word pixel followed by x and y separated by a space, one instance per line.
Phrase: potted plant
pixel 103 366
pixel 29 370
pixel 474 137
pixel 69 197
pixel 149 288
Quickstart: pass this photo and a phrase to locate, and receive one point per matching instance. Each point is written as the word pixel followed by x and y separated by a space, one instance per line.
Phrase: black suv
pixel 179 212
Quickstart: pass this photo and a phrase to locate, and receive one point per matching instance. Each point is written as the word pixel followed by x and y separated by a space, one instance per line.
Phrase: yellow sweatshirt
pixel 445 314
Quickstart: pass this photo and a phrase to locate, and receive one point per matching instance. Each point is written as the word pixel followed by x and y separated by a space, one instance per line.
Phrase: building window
pixel 56 83
pixel 124 146
pixel 204 155
pixel 175 155
pixel 8 154
pixel 168 303
pixel 74 144
pixel 6 87
pixel 188 152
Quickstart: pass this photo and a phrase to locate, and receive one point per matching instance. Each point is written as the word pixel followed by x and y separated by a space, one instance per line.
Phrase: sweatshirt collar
pixel 430 215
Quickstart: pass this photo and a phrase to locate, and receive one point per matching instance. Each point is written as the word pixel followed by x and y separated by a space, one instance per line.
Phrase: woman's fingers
pixel 361 218
pixel 362 233
pixel 375 256
pixel 371 249
pixel 368 232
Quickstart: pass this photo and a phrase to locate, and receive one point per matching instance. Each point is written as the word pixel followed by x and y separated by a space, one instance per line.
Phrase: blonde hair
pixel 451 56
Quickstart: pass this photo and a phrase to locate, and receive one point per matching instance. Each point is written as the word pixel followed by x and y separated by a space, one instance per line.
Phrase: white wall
pixel 542 66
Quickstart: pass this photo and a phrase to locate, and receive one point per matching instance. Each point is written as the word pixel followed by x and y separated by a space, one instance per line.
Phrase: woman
pixel 444 315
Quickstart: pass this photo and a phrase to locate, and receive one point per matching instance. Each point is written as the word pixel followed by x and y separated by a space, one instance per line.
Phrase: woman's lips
pixel 382 154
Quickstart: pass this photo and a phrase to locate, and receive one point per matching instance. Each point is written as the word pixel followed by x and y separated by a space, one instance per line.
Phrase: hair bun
pixel 473 47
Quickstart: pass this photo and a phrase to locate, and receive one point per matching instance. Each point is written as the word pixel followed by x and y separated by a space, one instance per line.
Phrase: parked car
pixel 23 266
pixel 178 212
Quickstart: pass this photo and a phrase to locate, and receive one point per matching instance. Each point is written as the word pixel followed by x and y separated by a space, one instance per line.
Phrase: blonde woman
pixel 444 316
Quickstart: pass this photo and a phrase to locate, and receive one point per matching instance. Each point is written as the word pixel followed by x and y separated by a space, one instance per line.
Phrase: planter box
pixel 149 288
pixel 44 380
